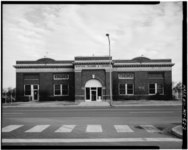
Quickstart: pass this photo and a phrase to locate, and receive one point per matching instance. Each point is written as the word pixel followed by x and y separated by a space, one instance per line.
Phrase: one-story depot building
pixel 88 79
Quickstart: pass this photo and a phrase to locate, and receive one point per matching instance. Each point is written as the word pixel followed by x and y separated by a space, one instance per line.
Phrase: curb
pixel 87 105
pixel 55 106
pixel 147 105
pixel 77 105
pixel 177 131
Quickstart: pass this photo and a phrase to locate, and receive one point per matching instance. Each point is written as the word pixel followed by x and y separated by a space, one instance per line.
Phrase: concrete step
pixel 94 103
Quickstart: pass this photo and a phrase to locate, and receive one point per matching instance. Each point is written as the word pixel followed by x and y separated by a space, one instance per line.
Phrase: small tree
pixel 178 89
pixel 8 95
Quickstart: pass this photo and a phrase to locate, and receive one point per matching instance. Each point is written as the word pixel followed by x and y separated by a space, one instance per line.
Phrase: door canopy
pixel 93 83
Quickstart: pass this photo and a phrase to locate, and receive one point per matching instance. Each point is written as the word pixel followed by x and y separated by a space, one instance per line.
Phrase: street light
pixel 108 35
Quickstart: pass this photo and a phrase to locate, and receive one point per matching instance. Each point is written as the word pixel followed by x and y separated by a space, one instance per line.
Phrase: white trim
pixel 149 89
pixel 93 83
pixel 142 69
pixel 36 90
pixel 127 89
pixel 32 91
pixel 42 65
pixel 156 89
pixel 162 89
pixel 54 89
pixel 122 77
pixel 144 63
pixel 126 93
pixel 61 93
pixel 90 92
pixel 44 70
pixel 60 78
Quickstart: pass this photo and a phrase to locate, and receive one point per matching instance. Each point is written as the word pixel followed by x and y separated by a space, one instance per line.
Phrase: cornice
pixel 43 66
pixel 143 65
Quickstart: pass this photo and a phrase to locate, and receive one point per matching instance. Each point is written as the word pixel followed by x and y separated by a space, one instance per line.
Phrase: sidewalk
pixel 177 131
pixel 41 104
pixel 148 103
pixel 89 104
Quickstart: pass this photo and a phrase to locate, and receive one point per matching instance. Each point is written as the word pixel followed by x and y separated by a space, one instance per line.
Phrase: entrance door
pixel 35 94
pixel 93 90
pixel 93 95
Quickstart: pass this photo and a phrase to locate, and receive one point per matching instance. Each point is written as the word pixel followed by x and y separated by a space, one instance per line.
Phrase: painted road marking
pixel 66 128
pixel 11 128
pixel 94 128
pixel 150 128
pixel 123 128
pixel 38 128
pixel 91 140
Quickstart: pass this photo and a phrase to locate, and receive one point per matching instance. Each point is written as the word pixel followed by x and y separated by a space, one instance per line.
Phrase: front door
pixel 93 95
pixel 35 89
pixel 36 95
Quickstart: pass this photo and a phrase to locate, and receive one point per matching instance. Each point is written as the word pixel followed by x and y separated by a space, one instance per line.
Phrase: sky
pixel 61 32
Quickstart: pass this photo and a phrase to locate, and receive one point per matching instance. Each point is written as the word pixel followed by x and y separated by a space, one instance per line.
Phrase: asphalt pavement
pixel 119 126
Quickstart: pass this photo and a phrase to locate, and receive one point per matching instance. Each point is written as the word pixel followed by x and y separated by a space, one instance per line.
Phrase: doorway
pixel 93 90
pixel 32 91
pixel 93 95
pixel 35 93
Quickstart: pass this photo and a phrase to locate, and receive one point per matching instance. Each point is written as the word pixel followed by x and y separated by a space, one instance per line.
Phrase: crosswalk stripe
pixel 38 128
pixel 123 128
pixel 90 128
pixel 66 128
pixel 10 128
pixel 150 128
pixel 94 128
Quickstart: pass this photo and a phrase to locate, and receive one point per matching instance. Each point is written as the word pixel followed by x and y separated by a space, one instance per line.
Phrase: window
pixel 99 91
pixel 151 88
pixel 125 76
pixel 65 89
pixel 126 89
pixel 57 90
pixel 160 89
pixel 122 89
pixel 129 88
pixel 87 93
pixel 61 89
pixel 156 89
pixel 27 90
pixel 61 76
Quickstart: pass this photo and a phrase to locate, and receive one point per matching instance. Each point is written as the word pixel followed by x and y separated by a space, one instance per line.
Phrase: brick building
pixel 88 79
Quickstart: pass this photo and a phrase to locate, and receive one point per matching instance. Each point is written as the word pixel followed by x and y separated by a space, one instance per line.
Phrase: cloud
pixel 66 31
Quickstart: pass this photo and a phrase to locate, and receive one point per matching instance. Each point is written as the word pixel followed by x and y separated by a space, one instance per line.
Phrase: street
pixel 116 126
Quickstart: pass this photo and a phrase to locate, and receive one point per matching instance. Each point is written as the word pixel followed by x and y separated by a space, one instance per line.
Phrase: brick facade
pixel 150 79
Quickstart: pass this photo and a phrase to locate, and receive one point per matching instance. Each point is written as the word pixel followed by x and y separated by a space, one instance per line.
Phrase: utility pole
pixel 110 71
